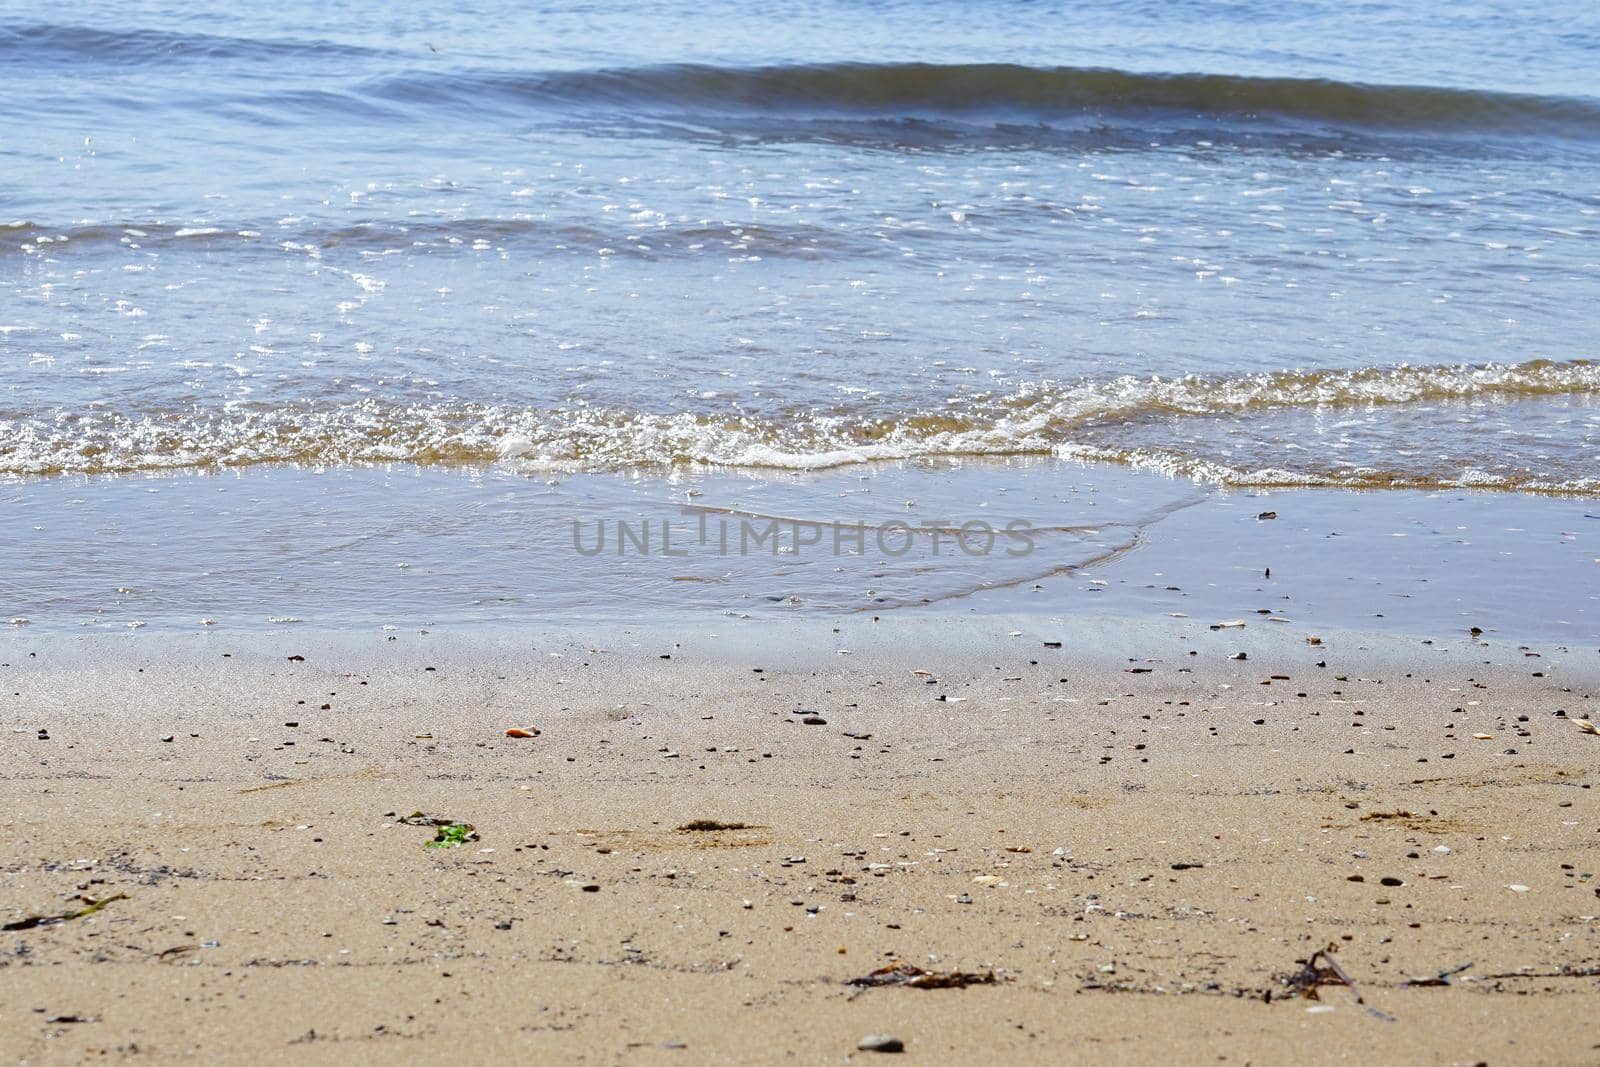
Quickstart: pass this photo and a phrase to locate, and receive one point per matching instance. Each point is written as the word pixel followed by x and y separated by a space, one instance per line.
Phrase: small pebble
pixel 881 1043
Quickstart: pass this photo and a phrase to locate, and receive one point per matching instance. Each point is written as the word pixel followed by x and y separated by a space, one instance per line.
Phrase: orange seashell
pixel 515 732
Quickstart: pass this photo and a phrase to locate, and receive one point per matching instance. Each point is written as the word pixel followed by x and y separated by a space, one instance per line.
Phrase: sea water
pixel 300 303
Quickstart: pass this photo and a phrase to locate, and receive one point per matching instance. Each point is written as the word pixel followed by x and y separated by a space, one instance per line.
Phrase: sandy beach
pixel 712 837
pixel 702 532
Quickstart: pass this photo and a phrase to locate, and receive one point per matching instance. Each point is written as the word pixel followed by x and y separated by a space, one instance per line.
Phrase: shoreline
pixel 1143 854
pixel 276 551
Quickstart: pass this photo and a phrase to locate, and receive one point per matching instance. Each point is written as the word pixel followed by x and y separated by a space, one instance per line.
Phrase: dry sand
pixel 1144 853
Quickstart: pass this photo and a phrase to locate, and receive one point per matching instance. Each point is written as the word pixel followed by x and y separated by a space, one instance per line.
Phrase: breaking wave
pixel 1080 420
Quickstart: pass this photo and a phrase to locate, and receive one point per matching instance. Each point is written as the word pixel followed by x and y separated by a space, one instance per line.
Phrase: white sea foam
pixel 1138 421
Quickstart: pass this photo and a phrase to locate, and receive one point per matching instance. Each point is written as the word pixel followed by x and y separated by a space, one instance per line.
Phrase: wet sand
pixel 356 549
pixel 1144 853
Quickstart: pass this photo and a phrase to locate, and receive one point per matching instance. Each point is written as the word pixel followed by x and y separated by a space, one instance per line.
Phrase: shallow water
pixel 396 548
pixel 1231 244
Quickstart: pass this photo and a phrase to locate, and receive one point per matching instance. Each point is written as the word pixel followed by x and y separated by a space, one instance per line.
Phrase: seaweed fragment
pixel 907 974
pixel 33 922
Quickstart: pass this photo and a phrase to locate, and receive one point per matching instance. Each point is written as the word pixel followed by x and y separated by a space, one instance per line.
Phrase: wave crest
pixel 1078 420
pixel 998 89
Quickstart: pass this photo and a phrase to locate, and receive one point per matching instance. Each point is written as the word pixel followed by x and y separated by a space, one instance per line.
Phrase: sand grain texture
pixel 1144 876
